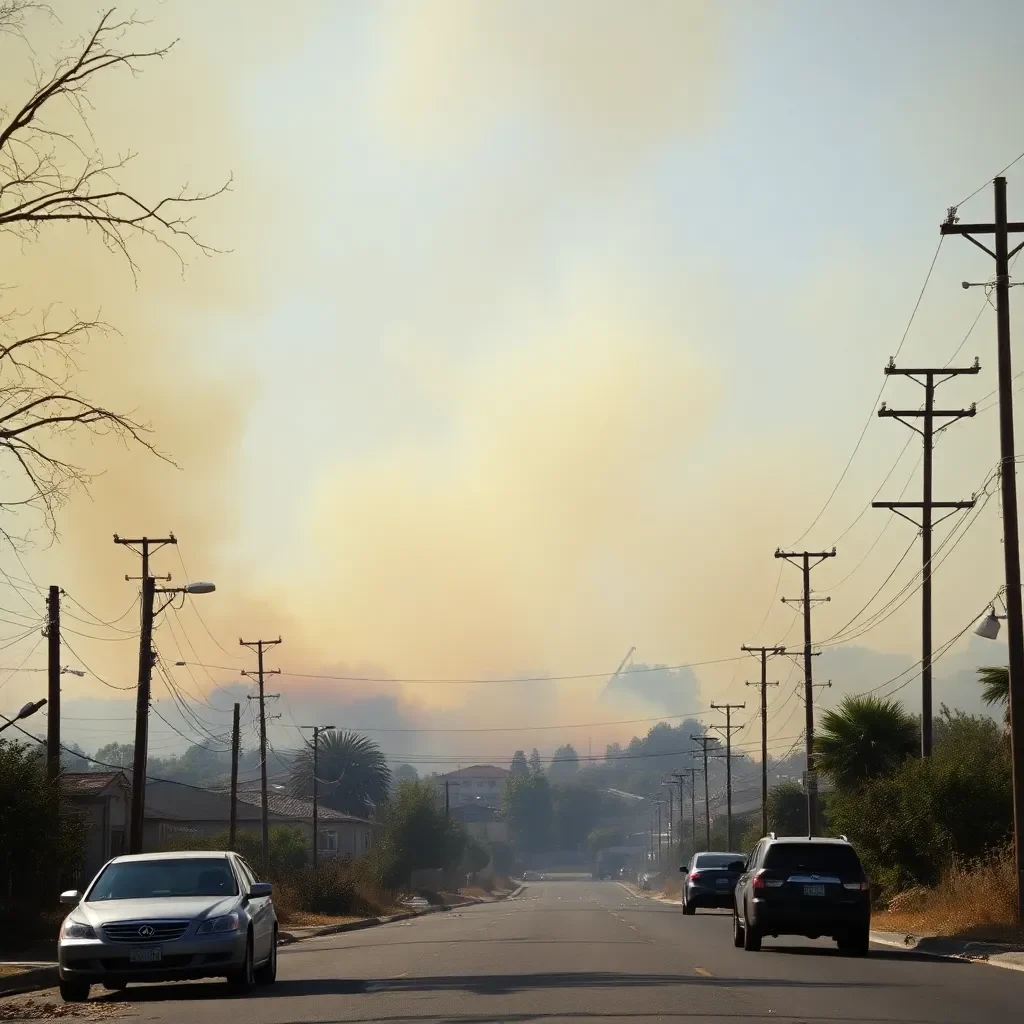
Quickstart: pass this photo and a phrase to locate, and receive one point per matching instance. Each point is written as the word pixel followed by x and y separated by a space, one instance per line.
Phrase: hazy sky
pixel 542 324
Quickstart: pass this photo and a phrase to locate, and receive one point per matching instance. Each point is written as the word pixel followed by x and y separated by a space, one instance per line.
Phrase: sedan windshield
pixel 145 879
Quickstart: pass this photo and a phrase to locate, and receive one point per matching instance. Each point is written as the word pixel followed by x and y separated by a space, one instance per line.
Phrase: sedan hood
pixel 167 908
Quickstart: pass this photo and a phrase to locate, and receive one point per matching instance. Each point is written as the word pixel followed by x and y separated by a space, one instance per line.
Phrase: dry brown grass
pixel 304 919
pixel 673 887
pixel 974 901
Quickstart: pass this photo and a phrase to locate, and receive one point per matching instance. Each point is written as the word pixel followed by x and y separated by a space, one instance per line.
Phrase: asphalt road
pixel 585 951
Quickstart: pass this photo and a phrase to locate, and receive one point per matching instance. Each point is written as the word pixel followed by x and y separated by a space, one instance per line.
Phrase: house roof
pixel 172 802
pixel 293 807
pixel 89 783
pixel 477 771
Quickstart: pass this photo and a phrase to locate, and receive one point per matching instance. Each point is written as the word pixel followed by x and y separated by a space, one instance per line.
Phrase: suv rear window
pixel 813 859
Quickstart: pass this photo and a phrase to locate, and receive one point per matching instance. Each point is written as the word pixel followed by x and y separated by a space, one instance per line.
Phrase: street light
pixel 989 626
pixel 26 712
pixel 147 657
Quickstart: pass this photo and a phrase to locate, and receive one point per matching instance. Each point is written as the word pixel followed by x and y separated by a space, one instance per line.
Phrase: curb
pixel 287 938
pixel 28 981
pixel 991 954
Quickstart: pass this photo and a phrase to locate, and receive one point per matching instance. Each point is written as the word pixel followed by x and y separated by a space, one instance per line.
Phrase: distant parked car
pixel 166 917
pixel 709 880
pixel 802 886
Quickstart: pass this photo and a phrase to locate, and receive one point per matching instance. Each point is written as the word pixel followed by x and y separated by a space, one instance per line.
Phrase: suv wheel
pixel 737 930
pixel 855 942
pixel 751 937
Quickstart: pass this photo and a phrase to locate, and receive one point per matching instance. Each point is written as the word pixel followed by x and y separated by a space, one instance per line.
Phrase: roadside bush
pixel 502 857
pixel 43 842
pixel 915 825
pixel 415 834
pixel 287 848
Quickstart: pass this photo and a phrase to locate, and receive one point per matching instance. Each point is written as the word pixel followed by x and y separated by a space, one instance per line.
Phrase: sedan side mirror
pixel 260 890
pixel 71 897
pixel 683 868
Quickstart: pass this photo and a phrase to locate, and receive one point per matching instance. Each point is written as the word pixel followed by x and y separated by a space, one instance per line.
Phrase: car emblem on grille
pixel 147 931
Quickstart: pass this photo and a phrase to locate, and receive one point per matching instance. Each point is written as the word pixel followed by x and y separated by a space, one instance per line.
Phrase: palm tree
pixel 995 682
pixel 863 738
pixel 352 774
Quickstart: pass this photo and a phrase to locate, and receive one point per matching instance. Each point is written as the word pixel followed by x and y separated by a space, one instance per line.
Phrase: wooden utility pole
pixel 805 565
pixel 928 415
pixel 144 547
pixel 260 647
pixel 1000 229
pixel 765 653
pixel 692 772
pixel 316 729
pixel 668 786
pixel 235 742
pixel 704 741
pixel 728 709
pixel 53 685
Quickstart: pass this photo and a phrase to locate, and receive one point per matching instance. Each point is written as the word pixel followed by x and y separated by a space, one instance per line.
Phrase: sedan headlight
pixel 76 930
pixel 218 925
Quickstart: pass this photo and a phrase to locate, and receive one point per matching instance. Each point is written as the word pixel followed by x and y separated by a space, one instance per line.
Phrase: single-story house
pixel 103 799
pixel 174 810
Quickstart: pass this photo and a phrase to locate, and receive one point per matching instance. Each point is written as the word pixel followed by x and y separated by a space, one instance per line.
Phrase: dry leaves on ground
pixel 17 1008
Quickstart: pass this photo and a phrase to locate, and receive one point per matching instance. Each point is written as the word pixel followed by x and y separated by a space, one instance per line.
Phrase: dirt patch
pixel 16 1008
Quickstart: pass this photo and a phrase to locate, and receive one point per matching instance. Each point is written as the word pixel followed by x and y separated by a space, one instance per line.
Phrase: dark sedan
pixel 709 880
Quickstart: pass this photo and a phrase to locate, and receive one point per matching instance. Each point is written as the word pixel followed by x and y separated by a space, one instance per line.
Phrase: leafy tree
pixel 415 834
pixel 954 806
pixel 787 809
pixel 862 739
pixel 995 682
pixel 519 765
pixel 565 764
pixel 475 856
pixel 527 807
pixel 502 857
pixel 404 773
pixel 535 764
pixel 576 811
pixel 120 755
pixel 73 759
pixel 354 777
pixel 42 840
pixel 602 838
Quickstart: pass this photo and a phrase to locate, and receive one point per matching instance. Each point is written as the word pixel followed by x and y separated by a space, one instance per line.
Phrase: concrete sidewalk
pixel 993 953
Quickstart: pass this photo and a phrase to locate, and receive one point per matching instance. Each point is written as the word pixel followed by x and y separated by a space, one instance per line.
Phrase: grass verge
pixel 973 902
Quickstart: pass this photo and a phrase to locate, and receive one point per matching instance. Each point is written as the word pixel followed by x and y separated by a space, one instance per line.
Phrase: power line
pixel 874 404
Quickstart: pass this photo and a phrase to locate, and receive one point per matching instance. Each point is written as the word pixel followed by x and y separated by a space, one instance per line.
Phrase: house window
pixel 328 841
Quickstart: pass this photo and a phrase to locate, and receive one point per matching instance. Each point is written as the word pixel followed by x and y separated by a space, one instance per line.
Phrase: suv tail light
pixel 858 886
pixel 760 882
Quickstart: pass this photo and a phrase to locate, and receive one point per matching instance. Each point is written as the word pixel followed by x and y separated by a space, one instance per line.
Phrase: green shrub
pixel 43 842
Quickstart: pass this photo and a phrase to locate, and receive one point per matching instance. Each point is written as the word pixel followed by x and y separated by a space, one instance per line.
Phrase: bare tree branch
pixel 40 409
pixel 49 175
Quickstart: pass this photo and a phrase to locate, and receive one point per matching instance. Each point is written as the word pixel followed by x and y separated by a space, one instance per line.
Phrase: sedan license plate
pixel 145 955
pixel 814 890
pixel 723 881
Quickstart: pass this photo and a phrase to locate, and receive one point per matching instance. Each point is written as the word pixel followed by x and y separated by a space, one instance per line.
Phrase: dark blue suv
pixel 710 879
pixel 803 886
